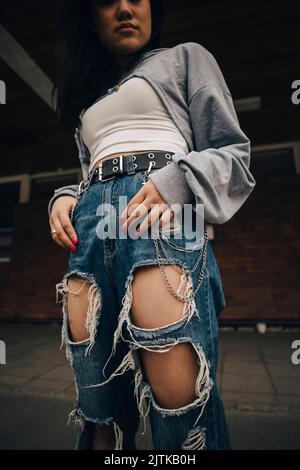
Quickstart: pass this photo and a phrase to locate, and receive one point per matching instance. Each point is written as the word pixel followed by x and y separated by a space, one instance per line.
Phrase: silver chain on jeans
pixel 79 192
pixel 179 269
pixel 202 254
pixel 73 207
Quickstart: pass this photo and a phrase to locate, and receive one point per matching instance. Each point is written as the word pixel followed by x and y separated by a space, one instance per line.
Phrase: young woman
pixel 158 127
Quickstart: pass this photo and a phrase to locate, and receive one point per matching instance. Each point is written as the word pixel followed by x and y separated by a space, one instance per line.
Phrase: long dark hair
pixel 87 68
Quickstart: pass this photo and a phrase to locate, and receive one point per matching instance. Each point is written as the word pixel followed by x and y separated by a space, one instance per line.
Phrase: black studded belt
pixel 130 164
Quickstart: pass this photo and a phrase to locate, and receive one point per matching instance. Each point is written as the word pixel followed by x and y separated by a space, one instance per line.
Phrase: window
pixel 42 188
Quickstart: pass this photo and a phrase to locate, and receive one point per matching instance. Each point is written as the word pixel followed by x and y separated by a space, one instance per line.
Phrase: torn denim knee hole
pixel 142 391
pixel 204 383
pixel 128 362
pixel 92 317
pixel 80 418
pixel 189 310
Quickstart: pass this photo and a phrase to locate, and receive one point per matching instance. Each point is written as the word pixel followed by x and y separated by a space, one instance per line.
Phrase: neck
pixel 123 61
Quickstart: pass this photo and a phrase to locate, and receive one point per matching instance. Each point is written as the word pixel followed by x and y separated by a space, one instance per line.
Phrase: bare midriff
pixel 114 155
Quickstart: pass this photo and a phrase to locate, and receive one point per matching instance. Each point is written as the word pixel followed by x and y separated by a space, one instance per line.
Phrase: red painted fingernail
pixel 74 240
pixel 73 248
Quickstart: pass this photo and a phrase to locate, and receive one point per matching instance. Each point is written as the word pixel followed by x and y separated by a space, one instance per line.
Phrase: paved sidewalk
pixel 258 382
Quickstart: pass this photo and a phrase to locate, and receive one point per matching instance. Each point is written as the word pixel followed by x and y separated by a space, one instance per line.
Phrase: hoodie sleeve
pixel 63 191
pixel 216 174
pixel 84 159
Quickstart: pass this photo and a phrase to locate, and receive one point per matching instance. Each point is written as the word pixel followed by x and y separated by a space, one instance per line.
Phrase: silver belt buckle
pixel 121 164
pixel 100 174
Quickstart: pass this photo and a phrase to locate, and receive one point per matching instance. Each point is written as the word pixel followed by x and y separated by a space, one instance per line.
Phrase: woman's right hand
pixel 60 221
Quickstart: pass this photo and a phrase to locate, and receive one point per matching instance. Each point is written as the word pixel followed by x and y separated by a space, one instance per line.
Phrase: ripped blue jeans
pixel 110 381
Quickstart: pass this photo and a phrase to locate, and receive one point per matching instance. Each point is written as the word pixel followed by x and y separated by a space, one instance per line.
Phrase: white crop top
pixel 130 119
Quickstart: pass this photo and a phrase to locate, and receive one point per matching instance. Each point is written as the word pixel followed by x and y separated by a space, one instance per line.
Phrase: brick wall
pixel 28 281
pixel 258 253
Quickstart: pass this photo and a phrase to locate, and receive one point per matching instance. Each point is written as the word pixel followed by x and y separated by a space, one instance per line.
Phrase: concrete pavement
pixel 259 384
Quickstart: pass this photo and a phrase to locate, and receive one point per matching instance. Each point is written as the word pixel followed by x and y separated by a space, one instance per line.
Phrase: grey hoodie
pixel 215 172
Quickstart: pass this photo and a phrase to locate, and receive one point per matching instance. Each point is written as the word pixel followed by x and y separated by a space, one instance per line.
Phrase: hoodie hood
pixel 143 57
pixel 153 52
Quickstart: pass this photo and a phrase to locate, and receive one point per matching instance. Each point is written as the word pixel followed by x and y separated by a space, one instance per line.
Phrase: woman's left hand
pixel 146 199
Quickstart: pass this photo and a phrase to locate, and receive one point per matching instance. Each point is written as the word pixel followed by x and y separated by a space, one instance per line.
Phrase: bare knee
pixel 78 305
pixel 153 306
pixel 172 375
